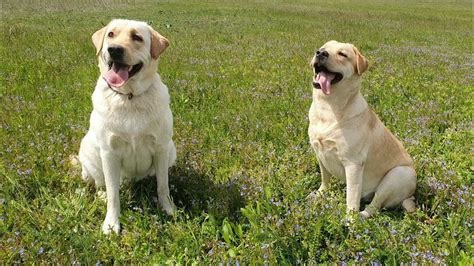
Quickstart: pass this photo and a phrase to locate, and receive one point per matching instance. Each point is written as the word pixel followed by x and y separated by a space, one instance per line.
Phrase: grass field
pixel 239 80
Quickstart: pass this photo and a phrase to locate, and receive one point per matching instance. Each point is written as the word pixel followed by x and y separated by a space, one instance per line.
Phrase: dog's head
pixel 127 49
pixel 336 63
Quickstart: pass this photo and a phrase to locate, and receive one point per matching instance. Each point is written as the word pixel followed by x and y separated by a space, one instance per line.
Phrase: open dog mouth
pixel 325 78
pixel 119 73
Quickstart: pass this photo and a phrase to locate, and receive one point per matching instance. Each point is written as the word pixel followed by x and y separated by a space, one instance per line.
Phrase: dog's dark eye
pixel 111 34
pixel 137 38
pixel 342 54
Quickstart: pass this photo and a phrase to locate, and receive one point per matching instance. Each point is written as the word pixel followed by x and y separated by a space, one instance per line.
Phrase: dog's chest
pixel 136 154
pixel 328 152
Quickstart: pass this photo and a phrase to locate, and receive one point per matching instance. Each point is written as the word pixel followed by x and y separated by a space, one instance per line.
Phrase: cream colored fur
pixel 129 137
pixel 350 141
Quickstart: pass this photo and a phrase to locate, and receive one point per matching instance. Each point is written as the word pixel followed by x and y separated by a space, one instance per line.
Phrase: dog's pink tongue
pixel 324 79
pixel 117 75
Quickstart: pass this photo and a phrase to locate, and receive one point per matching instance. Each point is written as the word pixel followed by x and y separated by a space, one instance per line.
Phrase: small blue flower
pixel 358 256
pixel 429 255
pixel 210 252
pixel 280 222
pixel 41 250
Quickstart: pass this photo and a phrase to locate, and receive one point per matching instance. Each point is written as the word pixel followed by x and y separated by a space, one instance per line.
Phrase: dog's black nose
pixel 116 52
pixel 322 54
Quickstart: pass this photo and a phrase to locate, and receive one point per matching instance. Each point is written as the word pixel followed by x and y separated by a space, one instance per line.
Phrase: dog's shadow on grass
pixel 191 191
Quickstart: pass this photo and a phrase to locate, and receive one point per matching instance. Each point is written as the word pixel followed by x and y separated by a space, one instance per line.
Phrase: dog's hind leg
pixel 397 187
pixel 172 154
pixel 89 156
pixel 161 162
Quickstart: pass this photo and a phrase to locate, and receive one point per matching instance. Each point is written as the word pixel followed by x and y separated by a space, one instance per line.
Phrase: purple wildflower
pixel 210 252
pixel 280 222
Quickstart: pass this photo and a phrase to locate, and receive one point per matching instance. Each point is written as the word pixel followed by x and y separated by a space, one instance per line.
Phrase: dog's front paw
pixel 316 195
pixel 322 188
pixel 168 205
pixel 351 217
pixel 313 196
pixel 111 225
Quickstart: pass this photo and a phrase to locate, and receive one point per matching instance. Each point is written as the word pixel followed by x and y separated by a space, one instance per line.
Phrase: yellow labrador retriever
pixel 350 141
pixel 131 124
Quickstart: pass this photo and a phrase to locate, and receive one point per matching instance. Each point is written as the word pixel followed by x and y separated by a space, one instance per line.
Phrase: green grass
pixel 240 86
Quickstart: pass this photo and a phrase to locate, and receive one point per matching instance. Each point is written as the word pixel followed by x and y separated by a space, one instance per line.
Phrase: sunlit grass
pixel 240 86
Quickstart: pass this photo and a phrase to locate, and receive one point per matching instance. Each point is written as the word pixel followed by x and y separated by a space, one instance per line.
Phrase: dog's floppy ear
pixel 98 39
pixel 158 44
pixel 361 63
